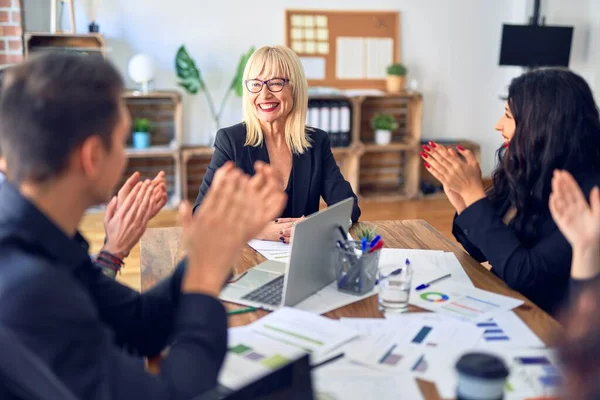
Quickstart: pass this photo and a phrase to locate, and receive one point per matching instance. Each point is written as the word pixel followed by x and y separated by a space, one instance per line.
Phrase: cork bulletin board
pixel 344 49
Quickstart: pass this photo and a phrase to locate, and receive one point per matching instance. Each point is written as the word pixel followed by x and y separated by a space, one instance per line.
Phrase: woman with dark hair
pixel 550 122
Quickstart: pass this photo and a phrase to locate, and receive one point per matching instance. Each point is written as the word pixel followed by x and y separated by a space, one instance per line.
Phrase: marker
pixel 377 246
pixel 374 241
pixel 426 285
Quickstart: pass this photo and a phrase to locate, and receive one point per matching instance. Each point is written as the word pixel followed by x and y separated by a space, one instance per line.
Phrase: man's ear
pixel 91 156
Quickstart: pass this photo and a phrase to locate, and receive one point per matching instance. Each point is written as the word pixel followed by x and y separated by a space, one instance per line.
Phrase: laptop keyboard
pixel 270 293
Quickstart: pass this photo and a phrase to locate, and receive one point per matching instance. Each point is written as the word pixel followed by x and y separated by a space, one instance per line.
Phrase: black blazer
pixel 314 173
pixel 539 270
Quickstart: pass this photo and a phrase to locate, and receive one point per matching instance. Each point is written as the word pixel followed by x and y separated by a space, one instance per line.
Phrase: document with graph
pixel 462 302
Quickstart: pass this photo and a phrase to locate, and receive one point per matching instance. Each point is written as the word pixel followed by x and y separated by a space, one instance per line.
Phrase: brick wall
pixel 11 32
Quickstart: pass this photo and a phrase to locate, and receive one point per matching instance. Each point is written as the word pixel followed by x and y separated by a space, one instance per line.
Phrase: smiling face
pixel 274 101
pixel 506 125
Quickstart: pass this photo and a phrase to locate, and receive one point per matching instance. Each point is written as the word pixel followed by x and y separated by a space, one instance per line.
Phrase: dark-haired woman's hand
pixel 457 175
pixel 455 199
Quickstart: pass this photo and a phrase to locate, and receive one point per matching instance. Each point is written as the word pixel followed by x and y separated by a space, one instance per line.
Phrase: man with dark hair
pixel 63 129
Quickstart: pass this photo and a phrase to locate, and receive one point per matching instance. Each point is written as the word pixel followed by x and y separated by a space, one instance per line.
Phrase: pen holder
pixel 356 272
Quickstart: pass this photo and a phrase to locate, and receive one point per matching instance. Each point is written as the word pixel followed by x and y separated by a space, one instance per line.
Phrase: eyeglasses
pixel 274 85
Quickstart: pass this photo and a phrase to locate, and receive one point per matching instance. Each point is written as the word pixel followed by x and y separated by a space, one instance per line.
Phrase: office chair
pixel 24 375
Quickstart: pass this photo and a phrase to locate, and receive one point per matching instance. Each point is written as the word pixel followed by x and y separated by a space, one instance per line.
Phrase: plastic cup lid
pixel 482 365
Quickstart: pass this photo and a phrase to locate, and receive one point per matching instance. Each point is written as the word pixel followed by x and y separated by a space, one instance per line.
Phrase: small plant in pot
pixel 396 75
pixel 141 133
pixel 384 125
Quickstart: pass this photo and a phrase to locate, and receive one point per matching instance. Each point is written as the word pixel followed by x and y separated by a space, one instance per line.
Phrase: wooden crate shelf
pixel 152 151
pixel 92 44
pixel 149 166
pixel 431 187
pixel 164 110
pixel 361 162
pixel 195 161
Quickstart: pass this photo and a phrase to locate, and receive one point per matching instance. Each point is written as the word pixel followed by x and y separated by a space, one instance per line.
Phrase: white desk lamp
pixel 141 71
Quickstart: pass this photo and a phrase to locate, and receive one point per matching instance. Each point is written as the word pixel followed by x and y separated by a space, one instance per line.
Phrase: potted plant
pixel 396 74
pixel 141 133
pixel 192 81
pixel 383 124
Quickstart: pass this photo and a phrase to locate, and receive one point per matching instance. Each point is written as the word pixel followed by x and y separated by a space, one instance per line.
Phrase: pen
pixel 394 272
pixel 378 246
pixel 426 285
pixel 364 245
pixel 374 241
pixel 241 311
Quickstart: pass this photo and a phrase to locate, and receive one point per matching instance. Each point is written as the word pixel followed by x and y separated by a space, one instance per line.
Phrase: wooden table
pixel 160 250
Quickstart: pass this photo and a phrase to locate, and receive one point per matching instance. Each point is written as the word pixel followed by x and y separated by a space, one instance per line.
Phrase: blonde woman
pixel 275 103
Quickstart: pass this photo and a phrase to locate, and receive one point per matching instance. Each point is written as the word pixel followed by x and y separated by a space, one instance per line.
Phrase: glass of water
pixel 393 285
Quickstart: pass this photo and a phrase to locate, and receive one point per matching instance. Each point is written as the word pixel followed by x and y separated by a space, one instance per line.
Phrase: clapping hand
pixel 578 221
pixel 128 213
pixel 461 178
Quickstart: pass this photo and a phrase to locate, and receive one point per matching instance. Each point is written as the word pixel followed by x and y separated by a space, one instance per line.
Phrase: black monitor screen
pixel 536 46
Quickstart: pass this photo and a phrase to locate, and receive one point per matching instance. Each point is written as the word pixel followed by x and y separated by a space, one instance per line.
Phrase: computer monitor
pixel 536 46
pixel 290 382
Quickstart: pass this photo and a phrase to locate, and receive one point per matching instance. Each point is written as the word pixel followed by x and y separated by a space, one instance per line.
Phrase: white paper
pixel 423 269
pixel 462 302
pixel 506 330
pixel 380 54
pixel 304 330
pixel 321 21
pixel 329 299
pixel 341 383
pixel 314 67
pixel 445 330
pixel 274 251
pixel 450 263
pixel 350 58
pixel 252 356
pixel 382 352
pixel 526 380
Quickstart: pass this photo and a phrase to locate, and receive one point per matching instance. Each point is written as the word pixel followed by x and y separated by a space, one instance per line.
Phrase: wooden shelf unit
pixel 428 182
pixel 195 161
pixel 90 43
pixel 382 172
pixel 164 110
pixel 150 165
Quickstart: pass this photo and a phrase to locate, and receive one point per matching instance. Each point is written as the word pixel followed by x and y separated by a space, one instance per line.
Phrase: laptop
pixel 292 381
pixel 273 284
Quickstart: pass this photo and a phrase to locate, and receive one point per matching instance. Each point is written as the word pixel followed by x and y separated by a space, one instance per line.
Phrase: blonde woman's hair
pixel 280 62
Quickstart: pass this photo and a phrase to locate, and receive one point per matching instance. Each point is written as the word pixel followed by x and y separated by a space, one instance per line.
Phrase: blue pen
pixel 394 272
pixel 374 241
pixel 364 245
pixel 426 285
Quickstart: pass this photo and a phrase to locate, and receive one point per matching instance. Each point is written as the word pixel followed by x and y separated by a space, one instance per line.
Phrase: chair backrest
pixel 24 375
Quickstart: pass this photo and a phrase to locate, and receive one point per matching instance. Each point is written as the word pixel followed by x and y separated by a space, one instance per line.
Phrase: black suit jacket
pixel 540 270
pixel 314 173
pixel 78 321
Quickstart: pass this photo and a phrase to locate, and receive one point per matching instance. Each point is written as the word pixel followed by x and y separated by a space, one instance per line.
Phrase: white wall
pixel 450 47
